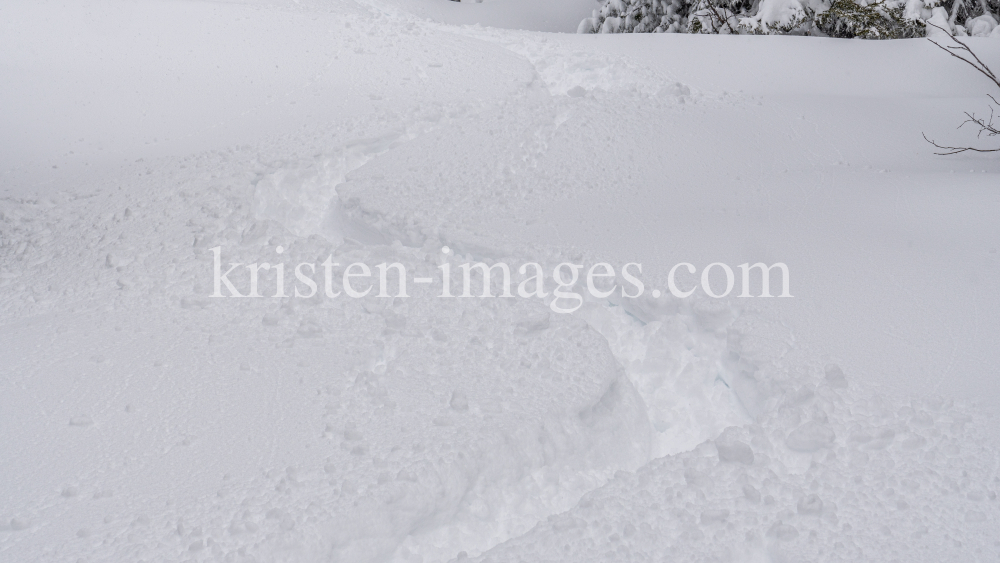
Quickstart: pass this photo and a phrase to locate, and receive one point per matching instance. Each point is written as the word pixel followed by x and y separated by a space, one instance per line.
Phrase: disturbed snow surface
pixel 144 421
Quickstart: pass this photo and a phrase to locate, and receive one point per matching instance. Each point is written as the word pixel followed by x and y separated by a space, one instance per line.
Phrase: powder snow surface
pixel 143 420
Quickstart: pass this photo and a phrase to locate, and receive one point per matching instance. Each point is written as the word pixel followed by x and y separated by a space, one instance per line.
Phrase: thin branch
pixel 985 125
pixel 978 64
pixel 956 150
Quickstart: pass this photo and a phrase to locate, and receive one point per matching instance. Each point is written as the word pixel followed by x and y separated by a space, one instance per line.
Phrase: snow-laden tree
pixel 638 16
pixel 866 19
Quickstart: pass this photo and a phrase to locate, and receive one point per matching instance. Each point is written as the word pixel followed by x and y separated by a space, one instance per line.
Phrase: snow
pixel 937 25
pixel 143 420
pixel 778 14
pixel 982 26
pixel 550 16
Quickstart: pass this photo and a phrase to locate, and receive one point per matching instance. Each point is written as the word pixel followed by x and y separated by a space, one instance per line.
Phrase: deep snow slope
pixel 143 420
pixel 830 175
pixel 562 16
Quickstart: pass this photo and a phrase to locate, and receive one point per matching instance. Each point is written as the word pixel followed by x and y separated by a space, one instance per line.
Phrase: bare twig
pixel 956 150
pixel 962 47
pixel 985 125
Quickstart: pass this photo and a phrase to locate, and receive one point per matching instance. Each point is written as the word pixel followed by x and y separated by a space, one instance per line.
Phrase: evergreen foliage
pixel 865 19
pixel 879 20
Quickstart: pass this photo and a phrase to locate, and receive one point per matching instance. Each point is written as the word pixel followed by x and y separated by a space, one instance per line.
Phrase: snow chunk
pixel 459 401
pixel 810 505
pixel 810 437
pixel 835 377
pixel 732 450
pixel 81 420
pixel 783 531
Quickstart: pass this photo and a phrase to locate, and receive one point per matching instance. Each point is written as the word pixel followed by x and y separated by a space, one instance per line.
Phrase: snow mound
pixel 859 477
pixel 287 429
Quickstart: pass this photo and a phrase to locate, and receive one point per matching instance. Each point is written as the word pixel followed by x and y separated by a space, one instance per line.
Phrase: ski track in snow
pixel 155 423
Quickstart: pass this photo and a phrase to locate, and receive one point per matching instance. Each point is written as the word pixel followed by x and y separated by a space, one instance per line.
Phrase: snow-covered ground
pixel 143 420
